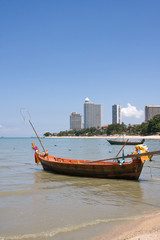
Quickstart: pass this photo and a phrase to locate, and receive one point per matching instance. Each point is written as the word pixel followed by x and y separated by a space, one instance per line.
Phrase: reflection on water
pixel 101 191
pixel 42 205
pixel 100 187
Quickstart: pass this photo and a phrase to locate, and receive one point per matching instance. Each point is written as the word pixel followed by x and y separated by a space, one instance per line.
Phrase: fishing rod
pixel 24 118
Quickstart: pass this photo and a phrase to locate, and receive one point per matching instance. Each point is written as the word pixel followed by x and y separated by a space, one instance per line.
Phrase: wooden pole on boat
pixel 36 134
pixel 122 147
pixel 129 156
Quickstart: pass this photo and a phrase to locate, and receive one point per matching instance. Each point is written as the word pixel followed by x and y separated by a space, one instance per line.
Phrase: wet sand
pixel 144 228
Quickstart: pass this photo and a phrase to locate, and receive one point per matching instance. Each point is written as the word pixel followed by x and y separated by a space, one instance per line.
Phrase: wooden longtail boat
pixel 116 142
pixel 98 169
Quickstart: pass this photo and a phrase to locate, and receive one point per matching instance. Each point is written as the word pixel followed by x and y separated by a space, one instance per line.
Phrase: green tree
pixel 47 134
pixel 144 129
pixel 154 125
pixel 116 128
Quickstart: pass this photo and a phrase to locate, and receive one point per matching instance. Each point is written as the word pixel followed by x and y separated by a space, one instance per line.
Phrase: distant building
pixel 75 121
pixel 151 111
pixel 92 114
pixel 116 114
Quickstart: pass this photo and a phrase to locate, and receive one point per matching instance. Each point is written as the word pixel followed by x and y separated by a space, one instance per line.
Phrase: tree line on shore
pixel 151 127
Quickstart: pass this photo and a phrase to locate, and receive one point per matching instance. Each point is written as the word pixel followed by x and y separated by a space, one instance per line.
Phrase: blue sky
pixel 55 53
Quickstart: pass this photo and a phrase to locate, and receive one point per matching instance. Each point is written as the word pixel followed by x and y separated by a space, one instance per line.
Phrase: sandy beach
pixel 109 137
pixel 143 228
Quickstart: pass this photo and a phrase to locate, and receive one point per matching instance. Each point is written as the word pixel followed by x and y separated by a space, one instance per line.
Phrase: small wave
pixel 66 229
pixel 155 180
pixel 9 166
pixel 17 192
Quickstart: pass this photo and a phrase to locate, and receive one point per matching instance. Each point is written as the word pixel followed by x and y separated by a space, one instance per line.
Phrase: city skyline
pixel 54 54
pixel 117 111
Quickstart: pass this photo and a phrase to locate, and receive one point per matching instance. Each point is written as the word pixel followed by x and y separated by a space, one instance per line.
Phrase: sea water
pixel 35 204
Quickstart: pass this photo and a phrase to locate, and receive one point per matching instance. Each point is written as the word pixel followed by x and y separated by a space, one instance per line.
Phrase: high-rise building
pixel 116 114
pixel 151 111
pixel 75 121
pixel 92 114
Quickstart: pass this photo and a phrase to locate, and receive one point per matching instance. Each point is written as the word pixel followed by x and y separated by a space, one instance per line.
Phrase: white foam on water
pixel 66 229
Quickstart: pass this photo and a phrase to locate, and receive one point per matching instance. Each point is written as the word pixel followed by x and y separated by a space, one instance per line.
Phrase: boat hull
pixel 113 170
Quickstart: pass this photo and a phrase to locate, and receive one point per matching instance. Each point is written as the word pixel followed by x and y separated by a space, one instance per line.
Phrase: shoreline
pixel 143 228
pixel 109 137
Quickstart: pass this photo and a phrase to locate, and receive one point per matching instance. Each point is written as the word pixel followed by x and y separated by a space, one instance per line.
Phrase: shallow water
pixel 35 204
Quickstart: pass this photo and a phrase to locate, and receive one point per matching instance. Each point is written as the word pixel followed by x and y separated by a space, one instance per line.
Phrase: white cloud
pixel 131 111
pixel 7 129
